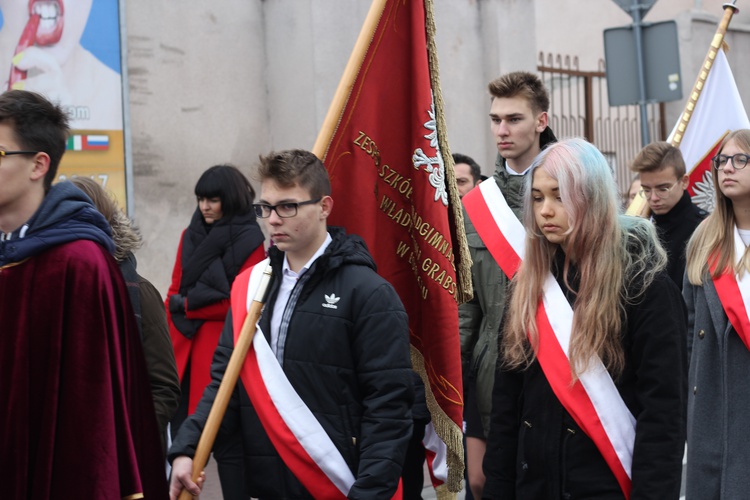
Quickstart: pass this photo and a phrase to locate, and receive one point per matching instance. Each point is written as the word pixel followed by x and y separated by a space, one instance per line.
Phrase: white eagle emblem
pixel 433 165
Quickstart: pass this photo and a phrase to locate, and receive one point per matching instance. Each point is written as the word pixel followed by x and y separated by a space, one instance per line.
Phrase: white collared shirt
pixel 288 281
pixel 513 172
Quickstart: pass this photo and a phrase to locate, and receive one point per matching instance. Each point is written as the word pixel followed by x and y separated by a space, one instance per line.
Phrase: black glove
pixel 176 303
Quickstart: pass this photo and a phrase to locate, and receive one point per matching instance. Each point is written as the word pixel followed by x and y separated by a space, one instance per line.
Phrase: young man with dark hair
pixel 664 183
pixel 332 343
pixel 468 173
pixel 77 413
pixel 518 120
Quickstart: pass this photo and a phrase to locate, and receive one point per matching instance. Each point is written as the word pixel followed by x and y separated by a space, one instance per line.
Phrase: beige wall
pixel 214 82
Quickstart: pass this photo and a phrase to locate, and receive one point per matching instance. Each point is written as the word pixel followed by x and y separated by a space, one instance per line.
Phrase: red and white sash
pixel 436 453
pixel 593 401
pixel 735 295
pixel 294 431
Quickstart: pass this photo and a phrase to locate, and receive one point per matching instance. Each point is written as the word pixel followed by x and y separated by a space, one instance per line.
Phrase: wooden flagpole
pixel 446 429
pixel 331 121
pixel 708 62
pixel 639 205
pixel 228 382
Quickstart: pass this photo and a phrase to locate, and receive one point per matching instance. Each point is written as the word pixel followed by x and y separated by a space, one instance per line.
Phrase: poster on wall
pixel 69 51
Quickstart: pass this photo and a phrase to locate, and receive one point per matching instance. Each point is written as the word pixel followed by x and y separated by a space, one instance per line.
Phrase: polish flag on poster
pixel 718 112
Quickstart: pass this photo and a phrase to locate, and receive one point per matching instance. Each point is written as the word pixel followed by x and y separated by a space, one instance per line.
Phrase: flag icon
pixel 88 143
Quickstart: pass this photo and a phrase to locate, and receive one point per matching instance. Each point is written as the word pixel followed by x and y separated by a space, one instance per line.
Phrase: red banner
pixel 389 186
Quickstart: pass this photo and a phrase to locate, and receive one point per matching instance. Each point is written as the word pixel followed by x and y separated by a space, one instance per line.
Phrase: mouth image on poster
pixel 69 51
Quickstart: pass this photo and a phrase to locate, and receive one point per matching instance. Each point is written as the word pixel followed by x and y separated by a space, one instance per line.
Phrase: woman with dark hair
pixel 222 240
pixel 590 391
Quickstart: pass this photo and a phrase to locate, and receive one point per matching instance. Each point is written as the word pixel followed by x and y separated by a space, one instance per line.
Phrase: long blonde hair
pixel 713 240
pixel 125 234
pixel 616 257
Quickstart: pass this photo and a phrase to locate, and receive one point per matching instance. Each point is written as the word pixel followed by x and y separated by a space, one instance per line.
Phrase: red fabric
pixel 574 397
pixel 503 253
pixel 77 418
pixel 199 351
pixel 731 300
pixel 718 111
pixel 292 453
pixel 382 196
pixel 702 168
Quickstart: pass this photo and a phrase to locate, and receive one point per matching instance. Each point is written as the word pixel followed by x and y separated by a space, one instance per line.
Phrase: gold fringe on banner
pixel 465 290
pixel 451 434
pixel 442 493
pixel 446 429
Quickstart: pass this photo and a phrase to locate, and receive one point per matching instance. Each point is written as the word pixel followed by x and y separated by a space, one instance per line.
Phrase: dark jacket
pixel 479 319
pixel 535 448
pixel 675 229
pixel 151 317
pixel 351 366
pixel 718 455
pixel 211 257
pixel 65 215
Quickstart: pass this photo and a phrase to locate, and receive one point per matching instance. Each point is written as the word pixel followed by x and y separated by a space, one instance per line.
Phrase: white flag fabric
pixel 719 111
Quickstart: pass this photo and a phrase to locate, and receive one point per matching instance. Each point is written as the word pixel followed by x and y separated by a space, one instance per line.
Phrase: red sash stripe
pixel 574 398
pixel 293 430
pixel 551 355
pixel 734 295
pixel 494 239
pixel 305 469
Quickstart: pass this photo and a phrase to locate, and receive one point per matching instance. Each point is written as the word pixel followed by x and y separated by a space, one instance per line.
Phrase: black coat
pixel 675 229
pixel 351 365
pixel 537 451
pixel 212 255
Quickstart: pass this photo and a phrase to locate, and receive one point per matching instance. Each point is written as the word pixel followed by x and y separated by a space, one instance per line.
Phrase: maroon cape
pixel 76 414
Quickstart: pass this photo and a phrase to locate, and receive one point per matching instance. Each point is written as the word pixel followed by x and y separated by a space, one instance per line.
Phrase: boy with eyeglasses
pixel 332 343
pixel 664 183
pixel 77 415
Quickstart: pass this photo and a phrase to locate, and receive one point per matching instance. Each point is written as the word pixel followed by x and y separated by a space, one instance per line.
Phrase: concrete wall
pixel 214 82
pixel 198 97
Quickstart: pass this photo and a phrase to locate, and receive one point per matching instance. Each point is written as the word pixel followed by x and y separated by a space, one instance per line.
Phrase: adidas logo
pixel 331 301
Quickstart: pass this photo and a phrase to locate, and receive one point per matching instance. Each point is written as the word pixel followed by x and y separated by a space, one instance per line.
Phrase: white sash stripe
pixel 744 282
pixel 433 443
pixel 503 216
pixel 618 422
pixel 297 416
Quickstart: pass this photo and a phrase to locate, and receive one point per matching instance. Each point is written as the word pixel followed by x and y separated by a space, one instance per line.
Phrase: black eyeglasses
pixel 739 161
pixel 8 153
pixel 283 210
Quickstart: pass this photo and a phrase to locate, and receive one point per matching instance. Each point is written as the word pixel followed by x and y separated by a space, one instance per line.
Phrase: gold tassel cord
pixel 451 434
pixel 464 291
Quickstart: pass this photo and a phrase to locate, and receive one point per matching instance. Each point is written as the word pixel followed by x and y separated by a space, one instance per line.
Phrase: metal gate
pixel 579 107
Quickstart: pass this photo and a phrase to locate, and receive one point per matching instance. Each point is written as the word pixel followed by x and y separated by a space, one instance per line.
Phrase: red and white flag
pixel 385 157
pixel 719 110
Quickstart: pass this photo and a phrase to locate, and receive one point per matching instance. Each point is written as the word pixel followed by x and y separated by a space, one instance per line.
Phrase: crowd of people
pixel 588 365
